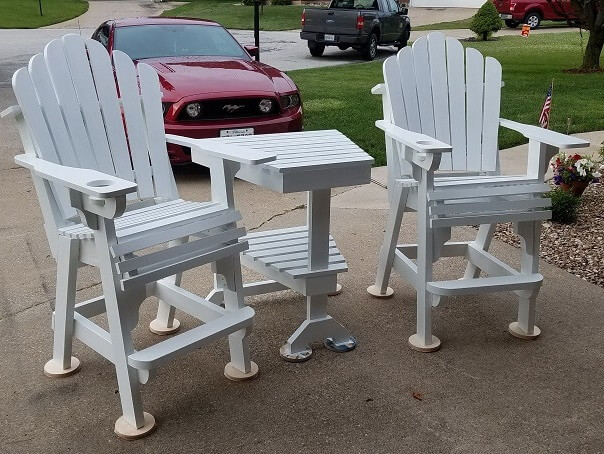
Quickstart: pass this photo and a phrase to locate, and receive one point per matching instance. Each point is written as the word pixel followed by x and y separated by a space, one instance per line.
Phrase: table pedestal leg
pixel 317 324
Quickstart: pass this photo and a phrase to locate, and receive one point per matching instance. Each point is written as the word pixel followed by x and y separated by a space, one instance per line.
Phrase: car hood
pixel 203 77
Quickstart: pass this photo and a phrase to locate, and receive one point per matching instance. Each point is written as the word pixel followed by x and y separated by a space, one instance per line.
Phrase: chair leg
pixel 393 226
pixel 164 322
pixel 524 328
pixel 483 241
pixel 241 366
pixel 423 340
pixel 62 363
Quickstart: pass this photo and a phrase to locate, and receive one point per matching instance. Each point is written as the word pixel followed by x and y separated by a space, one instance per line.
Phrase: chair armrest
pixel 379 89
pixel 552 138
pixel 214 148
pixel 420 143
pixel 87 181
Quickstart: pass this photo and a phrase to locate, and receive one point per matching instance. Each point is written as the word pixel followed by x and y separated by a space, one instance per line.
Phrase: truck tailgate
pixel 335 21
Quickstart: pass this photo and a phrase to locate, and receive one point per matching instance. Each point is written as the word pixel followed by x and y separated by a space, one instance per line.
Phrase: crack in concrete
pixel 297 207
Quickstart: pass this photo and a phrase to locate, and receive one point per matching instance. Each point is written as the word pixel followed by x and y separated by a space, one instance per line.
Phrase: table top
pixel 305 160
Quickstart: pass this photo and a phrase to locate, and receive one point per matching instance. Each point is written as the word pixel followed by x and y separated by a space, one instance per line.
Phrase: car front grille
pixel 229 109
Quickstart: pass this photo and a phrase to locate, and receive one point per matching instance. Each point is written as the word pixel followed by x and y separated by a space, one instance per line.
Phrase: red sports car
pixel 211 85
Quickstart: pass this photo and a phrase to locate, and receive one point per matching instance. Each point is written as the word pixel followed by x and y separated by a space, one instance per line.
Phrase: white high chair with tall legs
pixel 97 155
pixel 441 113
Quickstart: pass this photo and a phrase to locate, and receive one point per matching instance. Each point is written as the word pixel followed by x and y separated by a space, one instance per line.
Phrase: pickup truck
pixel 360 24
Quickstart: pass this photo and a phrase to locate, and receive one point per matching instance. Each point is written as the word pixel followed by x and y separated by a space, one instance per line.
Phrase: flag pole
pixel 551 104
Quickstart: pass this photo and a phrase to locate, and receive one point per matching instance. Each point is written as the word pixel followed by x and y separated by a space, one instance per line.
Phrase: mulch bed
pixel 577 248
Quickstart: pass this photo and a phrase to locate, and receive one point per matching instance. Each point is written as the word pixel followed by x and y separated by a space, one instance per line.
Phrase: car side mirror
pixel 252 50
pixel 404 11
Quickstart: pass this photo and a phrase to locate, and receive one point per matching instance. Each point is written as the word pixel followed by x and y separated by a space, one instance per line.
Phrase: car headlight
pixel 289 101
pixel 193 109
pixel 265 105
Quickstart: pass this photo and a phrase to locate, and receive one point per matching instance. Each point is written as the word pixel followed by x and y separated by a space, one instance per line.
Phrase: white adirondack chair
pixel 108 195
pixel 441 112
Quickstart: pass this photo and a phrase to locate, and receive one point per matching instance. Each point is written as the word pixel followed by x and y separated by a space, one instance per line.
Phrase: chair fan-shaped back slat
pixel 449 95
pixel 40 132
pixel 423 83
pixel 125 73
pixel 440 97
pixel 62 81
pixel 83 83
pixel 490 120
pixel 407 76
pixel 457 101
pixel 151 97
pixel 474 104
pixel 102 73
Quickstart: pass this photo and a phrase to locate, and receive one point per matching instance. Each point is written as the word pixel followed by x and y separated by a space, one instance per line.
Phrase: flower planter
pixel 576 187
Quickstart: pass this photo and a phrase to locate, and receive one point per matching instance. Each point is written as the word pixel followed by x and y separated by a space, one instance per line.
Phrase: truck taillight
pixel 512 6
pixel 303 17
pixel 360 22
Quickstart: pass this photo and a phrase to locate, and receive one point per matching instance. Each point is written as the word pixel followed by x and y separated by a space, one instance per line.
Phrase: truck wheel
pixel 404 39
pixel 511 23
pixel 343 47
pixel 533 19
pixel 316 49
pixel 369 49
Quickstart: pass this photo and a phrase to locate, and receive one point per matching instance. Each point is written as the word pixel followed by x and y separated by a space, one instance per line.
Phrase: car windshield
pixel 354 4
pixel 176 40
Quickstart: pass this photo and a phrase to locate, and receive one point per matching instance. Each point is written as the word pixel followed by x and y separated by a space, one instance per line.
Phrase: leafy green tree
pixel 486 21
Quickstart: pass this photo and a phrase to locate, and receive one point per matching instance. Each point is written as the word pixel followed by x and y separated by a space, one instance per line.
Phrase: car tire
pixel 511 23
pixel 343 47
pixel 404 39
pixel 369 49
pixel 533 19
pixel 316 49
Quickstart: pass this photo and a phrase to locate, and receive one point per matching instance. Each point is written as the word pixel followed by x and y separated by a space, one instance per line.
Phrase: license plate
pixel 330 37
pixel 505 16
pixel 236 132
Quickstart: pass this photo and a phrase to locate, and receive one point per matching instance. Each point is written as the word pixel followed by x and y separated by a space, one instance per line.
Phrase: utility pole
pixel 40 4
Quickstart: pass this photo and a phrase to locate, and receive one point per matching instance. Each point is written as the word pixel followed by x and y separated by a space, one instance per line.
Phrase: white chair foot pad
pixel 124 429
pixel 516 331
pixel 337 292
pixel 232 373
pixel 157 327
pixel 54 369
pixel 416 344
pixel 375 291
pixel 298 357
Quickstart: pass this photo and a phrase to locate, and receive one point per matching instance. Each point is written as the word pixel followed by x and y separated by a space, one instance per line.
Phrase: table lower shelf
pixel 282 255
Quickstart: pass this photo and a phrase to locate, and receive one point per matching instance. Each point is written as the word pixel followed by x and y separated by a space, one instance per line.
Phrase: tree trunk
pixel 591 58
pixel 485 36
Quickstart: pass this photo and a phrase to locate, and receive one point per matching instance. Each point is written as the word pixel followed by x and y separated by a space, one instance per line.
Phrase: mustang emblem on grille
pixel 230 108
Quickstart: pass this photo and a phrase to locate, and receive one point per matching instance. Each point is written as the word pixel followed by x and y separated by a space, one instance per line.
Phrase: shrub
pixel 564 206
pixel 251 2
pixel 486 21
pixel 281 2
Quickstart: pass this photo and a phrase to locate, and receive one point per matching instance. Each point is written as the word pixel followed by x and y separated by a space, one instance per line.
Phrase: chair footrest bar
pixel 485 285
pixel 154 356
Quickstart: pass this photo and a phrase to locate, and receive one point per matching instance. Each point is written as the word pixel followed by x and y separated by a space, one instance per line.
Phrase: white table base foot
pixel 157 327
pixel 124 429
pixel 342 346
pixel 53 369
pixel 232 373
pixel 416 344
pixel 375 291
pixel 516 331
pixel 296 357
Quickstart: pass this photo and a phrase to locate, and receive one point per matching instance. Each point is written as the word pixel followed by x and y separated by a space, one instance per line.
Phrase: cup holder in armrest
pixel 99 183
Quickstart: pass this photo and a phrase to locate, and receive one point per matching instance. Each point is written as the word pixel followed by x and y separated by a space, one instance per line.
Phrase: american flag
pixel 544 117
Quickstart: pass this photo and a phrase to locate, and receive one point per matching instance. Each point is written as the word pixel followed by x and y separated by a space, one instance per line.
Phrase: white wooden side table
pixel 306 258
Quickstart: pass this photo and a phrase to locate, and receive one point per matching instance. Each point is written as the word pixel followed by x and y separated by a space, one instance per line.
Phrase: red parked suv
pixel 532 12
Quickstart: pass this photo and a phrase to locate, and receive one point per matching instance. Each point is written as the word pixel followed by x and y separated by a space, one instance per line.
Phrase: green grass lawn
pixel 339 97
pixel 26 13
pixel 232 14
